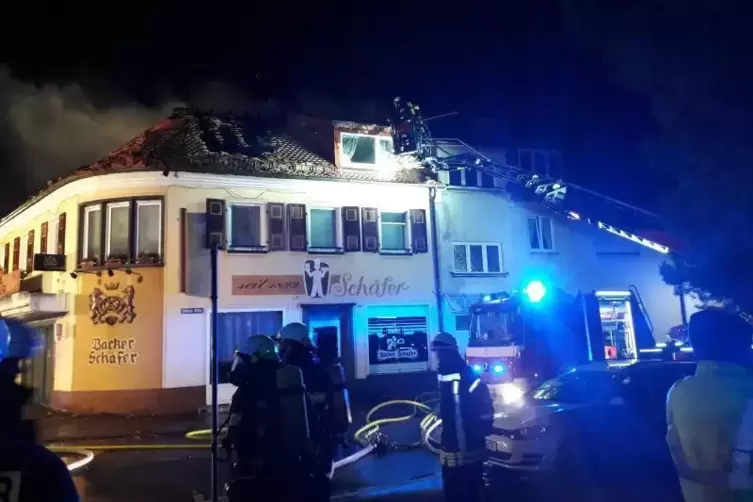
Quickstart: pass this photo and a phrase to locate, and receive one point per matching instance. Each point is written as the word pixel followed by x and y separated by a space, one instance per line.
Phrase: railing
pixel 634 291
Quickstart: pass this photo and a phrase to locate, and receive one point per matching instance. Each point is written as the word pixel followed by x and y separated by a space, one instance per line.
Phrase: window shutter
pixel 16 253
pixel 6 258
pixel 370 217
pixel 276 225
pixel 215 218
pixel 297 226
pixel 43 238
pixel 61 234
pixel 418 231
pixel 351 228
pixel 30 251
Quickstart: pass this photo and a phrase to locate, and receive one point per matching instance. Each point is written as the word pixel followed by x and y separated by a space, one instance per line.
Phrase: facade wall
pixel 581 258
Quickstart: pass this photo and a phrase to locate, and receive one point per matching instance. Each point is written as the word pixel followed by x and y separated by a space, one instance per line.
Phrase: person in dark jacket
pixel 467 415
pixel 28 471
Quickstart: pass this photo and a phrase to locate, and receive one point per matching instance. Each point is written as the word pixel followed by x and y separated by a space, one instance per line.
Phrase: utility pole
pixel 214 368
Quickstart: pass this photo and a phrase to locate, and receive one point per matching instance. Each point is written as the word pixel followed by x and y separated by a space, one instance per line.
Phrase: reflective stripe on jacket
pixel 710 432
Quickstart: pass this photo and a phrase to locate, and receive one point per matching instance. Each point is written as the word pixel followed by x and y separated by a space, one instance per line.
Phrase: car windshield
pixel 498 329
pixel 578 387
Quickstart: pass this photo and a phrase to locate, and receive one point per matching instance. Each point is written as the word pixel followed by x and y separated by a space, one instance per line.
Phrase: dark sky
pixel 511 69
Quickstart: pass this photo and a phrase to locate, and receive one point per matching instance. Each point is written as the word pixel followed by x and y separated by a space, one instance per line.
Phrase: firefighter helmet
pixel 16 340
pixel 444 341
pixel 295 332
pixel 259 347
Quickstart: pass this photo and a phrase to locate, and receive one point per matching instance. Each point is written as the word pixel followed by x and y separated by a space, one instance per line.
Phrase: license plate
pixel 491 445
pixel 498 443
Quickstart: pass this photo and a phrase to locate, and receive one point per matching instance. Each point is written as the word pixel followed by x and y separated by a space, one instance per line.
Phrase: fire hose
pixel 370 437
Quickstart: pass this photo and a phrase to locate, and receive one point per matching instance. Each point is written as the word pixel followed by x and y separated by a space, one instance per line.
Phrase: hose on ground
pixel 370 436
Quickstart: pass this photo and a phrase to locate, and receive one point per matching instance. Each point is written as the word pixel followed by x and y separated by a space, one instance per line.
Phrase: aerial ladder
pixel 412 138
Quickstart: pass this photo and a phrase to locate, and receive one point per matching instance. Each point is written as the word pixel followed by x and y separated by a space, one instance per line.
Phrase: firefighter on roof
pixel 710 414
pixel 467 415
pixel 28 471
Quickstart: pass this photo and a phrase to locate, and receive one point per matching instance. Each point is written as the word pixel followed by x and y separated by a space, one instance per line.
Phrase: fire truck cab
pixel 521 338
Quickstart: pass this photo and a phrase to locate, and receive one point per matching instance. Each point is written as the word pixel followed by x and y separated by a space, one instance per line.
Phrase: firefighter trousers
pixel 463 483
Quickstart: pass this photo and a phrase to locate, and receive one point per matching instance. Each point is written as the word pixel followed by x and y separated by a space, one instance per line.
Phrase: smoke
pixel 52 130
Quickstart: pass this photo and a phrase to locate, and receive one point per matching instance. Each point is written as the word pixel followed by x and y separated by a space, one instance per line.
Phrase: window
pixel 52 236
pixel 118 232
pixel 44 231
pixel 148 228
pixel 462 322
pixel 579 387
pixel 245 226
pixel 322 229
pixel 92 239
pixel 477 258
pixel 540 233
pixel 397 341
pixel 360 149
pixel 234 328
pixel 6 258
pixel 393 231
pixel 16 253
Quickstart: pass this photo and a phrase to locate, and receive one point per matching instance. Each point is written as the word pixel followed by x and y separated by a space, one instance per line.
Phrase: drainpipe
pixel 435 257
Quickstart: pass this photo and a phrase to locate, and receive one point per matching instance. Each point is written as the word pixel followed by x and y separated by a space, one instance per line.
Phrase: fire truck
pixel 521 338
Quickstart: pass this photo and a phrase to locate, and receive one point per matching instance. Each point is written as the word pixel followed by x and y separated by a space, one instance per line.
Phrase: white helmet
pixel 444 341
pixel 295 332
pixel 259 347
pixel 16 340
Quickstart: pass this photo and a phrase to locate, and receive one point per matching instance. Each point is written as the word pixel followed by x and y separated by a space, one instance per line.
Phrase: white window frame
pixel 263 230
pixel 408 236
pixel 483 245
pixel 139 204
pixel 539 234
pixel 88 209
pixel 381 158
pixel 338 228
pixel 52 237
pixel 108 207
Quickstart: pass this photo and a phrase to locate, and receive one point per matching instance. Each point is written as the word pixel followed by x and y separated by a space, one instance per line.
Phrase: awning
pixel 30 307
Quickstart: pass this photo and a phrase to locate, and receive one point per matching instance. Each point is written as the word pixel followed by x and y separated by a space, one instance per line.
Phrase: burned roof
pixel 226 144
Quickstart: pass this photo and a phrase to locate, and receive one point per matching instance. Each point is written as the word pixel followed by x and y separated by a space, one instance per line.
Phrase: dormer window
pixel 362 150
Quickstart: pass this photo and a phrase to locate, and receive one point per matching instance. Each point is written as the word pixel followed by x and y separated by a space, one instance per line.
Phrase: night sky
pixel 78 81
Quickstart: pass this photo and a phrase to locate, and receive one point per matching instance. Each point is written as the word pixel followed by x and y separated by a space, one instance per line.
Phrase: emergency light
pixel 535 291
pixel 478 368
pixel 498 368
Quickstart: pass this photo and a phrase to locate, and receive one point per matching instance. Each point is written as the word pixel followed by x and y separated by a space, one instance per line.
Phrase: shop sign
pixel 10 283
pixel 317 280
pixel 113 351
pixel 192 310
pixel 112 309
pixel 391 347
pixel 49 262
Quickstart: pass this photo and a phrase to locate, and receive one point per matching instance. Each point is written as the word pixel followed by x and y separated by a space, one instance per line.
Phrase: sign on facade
pixel 317 280
pixel 113 351
pixel 49 262
pixel 192 310
pixel 112 309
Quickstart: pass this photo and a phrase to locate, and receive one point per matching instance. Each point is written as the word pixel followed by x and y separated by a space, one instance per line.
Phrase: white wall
pixel 584 258
pixel 186 335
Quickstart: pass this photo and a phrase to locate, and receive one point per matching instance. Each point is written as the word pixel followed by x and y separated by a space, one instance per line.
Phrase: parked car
pixel 597 429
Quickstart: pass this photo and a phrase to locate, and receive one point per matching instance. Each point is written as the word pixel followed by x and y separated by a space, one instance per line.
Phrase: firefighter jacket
pixel 467 414
pixel 710 432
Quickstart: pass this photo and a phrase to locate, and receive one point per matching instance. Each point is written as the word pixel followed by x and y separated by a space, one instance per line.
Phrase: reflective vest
pixel 710 432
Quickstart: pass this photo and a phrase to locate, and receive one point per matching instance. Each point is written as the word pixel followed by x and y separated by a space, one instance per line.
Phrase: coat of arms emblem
pixel 111 310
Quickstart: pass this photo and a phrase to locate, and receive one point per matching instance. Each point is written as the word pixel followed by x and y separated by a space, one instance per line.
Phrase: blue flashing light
pixel 535 291
pixel 487 298
pixel 498 368
pixel 478 368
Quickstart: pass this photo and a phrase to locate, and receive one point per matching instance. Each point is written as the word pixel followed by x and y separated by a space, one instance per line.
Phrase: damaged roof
pixel 225 144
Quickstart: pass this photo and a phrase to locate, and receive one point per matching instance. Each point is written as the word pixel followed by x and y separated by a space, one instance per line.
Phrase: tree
pixel 691 60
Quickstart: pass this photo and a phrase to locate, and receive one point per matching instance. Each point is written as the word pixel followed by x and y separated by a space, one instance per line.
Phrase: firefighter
pixel 28 471
pixel 325 388
pixel 268 424
pixel 710 414
pixel 467 415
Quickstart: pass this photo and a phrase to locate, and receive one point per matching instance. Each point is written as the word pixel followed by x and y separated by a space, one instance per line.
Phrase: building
pixel 320 224
pixel 512 243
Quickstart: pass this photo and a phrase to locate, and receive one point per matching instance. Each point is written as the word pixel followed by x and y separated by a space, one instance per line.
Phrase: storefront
pixel 380 309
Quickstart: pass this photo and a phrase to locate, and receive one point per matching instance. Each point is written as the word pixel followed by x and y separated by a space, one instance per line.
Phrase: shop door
pixel 38 372
pixel 332 331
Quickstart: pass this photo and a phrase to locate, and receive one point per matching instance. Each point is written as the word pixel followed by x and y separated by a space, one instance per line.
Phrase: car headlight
pixel 528 433
pixel 510 393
